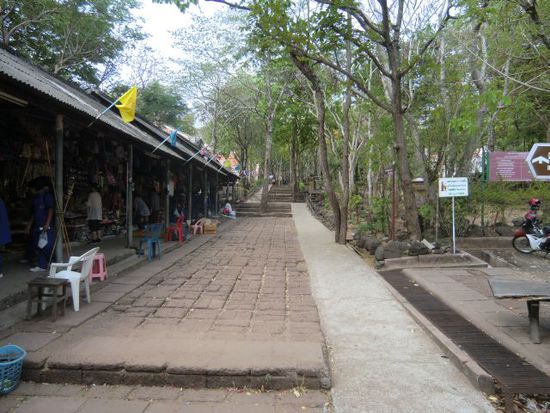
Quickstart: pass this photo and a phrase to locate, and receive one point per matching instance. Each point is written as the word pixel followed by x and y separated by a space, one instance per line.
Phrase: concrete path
pixel 237 311
pixel 39 398
pixel 380 359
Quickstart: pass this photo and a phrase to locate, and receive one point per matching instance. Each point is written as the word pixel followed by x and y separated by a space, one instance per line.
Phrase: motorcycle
pixel 530 238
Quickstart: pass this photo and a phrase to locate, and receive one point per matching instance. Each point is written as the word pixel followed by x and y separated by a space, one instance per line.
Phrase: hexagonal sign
pixel 538 160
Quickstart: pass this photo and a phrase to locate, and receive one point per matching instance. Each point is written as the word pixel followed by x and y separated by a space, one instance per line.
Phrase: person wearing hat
pixel 41 226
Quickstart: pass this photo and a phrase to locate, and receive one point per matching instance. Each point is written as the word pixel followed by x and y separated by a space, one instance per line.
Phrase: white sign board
pixel 451 187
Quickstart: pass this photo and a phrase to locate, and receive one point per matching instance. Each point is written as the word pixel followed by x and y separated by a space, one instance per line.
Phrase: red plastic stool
pixel 99 268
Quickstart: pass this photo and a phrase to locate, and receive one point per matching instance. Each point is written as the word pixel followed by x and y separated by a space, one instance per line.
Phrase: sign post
pixel 450 188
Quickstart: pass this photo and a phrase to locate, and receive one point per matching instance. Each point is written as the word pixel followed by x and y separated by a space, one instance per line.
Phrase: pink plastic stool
pixel 99 268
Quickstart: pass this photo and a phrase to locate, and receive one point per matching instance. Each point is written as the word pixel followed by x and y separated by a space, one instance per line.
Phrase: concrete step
pixel 267 214
pixel 164 357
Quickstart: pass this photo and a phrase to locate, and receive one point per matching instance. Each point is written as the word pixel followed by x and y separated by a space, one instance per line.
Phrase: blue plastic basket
pixel 11 364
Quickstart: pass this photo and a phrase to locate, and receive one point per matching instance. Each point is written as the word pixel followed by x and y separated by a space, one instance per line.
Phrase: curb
pixel 479 378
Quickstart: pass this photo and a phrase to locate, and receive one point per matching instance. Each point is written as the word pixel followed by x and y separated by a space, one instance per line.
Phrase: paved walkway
pixel 58 398
pixel 237 311
pixel 380 359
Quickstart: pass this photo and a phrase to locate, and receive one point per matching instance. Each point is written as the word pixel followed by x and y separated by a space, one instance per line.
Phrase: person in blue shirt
pixel 42 221
pixel 5 234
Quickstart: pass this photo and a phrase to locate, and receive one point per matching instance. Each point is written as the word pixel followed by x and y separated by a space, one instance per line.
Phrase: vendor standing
pixel 42 222
pixel 5 234
pixel 94 209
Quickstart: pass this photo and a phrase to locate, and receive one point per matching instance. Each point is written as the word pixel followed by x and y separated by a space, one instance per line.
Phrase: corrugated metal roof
pixel 23 72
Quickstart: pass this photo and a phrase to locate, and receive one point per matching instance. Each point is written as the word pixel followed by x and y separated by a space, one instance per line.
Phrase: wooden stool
pixel 36 292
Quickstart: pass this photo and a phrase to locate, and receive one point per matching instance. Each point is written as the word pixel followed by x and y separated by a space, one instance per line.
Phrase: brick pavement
pixel 237 311
pixel 31 397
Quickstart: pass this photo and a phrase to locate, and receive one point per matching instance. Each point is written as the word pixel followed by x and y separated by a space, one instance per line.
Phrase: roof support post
pixel 59 186
pixel 205 192
pixel 129 197
pixel 216 201
pixel 167 214
pixel 227 188
pixel 190 194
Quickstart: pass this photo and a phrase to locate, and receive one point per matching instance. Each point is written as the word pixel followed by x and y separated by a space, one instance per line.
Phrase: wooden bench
pixel 43 291
pixel 534 291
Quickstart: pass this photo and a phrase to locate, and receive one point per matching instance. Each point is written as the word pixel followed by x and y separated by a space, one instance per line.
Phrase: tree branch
pixel 354 79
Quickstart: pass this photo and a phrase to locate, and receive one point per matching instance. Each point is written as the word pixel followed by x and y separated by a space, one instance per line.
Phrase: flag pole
pixel 102 113
pixel 160 144
pixel 187 161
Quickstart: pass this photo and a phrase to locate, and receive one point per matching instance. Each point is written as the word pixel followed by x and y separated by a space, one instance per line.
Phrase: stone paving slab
pixel 31 397
pixel 237 311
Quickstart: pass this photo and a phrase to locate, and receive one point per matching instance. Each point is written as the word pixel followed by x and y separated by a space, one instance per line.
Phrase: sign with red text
pixel 509 167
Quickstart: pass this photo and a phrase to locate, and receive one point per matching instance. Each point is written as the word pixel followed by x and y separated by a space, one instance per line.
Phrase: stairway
pixel 280 193
pixel 278 204
pixel 252 209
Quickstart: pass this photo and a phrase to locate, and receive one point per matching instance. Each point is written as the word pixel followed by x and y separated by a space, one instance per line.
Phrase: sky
pixel 160 19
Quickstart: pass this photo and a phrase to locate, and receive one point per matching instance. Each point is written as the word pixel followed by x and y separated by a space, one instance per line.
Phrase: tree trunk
pixel 400 145
pixel 344 204
pixel 479 80
pixel 319 97
pixel 293 160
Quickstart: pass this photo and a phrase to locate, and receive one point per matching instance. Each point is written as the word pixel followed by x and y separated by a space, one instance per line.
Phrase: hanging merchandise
pixel 110 177
pixel 170 188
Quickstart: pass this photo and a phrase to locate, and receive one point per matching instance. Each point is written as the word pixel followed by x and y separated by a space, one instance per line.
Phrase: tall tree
pixel 76 38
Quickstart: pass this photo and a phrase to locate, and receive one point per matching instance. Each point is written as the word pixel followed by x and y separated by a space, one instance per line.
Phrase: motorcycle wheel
pixel 522 244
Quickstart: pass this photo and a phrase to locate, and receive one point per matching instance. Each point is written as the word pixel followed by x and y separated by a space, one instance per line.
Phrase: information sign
pixel 452 187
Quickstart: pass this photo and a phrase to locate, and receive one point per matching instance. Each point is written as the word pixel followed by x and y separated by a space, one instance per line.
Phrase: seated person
pixel 142 212
pixel 228 211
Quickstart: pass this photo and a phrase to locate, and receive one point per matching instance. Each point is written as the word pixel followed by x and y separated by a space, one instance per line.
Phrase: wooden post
pixel 59 186
pixel 216 201
pixel 190 193
pixel 167 198
pixel 129 197
pixel 205 192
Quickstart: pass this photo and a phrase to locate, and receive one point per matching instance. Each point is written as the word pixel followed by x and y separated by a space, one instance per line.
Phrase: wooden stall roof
pixel 27 75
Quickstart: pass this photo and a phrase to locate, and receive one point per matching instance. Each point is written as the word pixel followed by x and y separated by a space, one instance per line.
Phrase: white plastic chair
pixel 76 277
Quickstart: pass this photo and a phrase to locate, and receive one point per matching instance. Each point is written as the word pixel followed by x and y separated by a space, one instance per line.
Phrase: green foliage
pixel 161 105
pixel 362 229
pixel 378 215
pixel 75 37
pixel 355 201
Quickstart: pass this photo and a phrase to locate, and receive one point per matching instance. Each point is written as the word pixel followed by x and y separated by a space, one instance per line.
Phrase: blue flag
pixel 174 137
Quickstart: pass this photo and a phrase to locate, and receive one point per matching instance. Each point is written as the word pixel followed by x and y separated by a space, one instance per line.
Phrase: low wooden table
pixel 43 290
pixel 535 292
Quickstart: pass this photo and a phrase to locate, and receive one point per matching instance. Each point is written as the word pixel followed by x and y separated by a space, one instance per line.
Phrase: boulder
pixel 371 244
pixel 379 253
pixel 394 249
pixel 475 231
pixel 504 230
pixel 418 248
pixel 402 246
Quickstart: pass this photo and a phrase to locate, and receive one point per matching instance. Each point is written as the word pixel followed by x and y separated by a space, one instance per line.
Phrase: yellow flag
pixel 127 105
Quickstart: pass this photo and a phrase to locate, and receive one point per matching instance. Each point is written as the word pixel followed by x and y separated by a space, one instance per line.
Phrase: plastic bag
pixel 43 239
